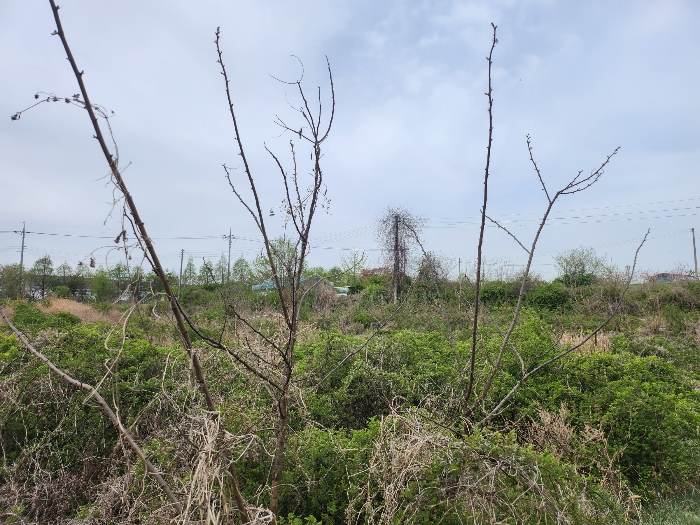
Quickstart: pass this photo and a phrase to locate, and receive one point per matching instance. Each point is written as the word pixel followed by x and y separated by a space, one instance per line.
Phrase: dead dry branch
pixel 417 473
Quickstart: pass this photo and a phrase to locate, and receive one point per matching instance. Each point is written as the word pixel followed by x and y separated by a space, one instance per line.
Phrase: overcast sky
pixel 410 130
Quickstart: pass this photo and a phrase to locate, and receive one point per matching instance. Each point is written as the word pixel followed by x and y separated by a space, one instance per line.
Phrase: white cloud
pixel 410 127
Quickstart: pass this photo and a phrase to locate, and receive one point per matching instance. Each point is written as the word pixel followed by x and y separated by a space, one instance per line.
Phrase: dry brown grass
pixel 551 431
pixel 8 311
pixel 653 324
pixel 82 310
pixel 599 343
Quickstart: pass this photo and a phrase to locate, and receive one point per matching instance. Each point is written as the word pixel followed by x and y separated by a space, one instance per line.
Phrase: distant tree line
pixel 85 283
pixel 581 266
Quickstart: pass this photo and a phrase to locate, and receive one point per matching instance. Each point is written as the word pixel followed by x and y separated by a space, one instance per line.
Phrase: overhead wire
pixel 328 242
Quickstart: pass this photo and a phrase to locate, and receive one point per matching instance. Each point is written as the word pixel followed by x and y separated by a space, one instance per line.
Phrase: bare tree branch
pixel 94 394
pixel 566 352
pixel 475 322
pixel 508 232
pixel 539 175
pixel 150 249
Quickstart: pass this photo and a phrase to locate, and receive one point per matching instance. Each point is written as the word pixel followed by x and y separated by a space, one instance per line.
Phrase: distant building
pixel 270 285
pixel 375 272
pixel 666 277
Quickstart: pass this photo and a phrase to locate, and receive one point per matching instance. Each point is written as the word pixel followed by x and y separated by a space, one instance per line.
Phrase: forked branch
pixel 496 365
pixel 526 375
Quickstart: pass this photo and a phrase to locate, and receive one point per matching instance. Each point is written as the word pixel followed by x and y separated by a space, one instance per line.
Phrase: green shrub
pixel 375 293
pixel 396 367
pixel 499 293
pixel 551 296
pixel 648 408
pixel 29 318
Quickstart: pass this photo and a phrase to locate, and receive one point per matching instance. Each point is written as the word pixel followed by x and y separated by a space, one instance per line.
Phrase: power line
pixel 450 219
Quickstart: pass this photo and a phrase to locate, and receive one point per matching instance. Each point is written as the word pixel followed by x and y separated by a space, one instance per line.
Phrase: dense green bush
pixel 551 296
pixel 62 291
pixel 499 293
pixel 396 369
pixel 46 428
pixel 641 393
pixel 374 293
pixel 647 407
pixel 30 319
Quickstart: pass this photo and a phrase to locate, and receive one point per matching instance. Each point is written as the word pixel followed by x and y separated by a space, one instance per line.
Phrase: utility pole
pixel 21 259
pixel 228 275
pixel 695 254
pixel 396 257
pixel 179 285
pixel 459 274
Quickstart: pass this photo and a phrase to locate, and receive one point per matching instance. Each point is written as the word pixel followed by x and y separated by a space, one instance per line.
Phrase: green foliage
pixel 642 395
pixel 324 465
pixel 284 254
pixel 681 351
pixel 550 296
pixel 27 317
pixel 41 275
pixel 419 475
pixel 62 291
pixel 241 271
pixel 648 408
pixel 376 290
pixel 103 287
pixel 189 273
pixel 579 267
pixel 499 293
pixel 52 431
pixel 396 367
pixel 675 318
pixel 10 279
pixel 681 509
pixel 291 519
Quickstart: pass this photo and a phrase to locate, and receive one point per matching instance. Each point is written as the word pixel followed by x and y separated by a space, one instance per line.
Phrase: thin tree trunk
pixel 396 258
pixel 149 248
pixel 477 288
pixel 278 461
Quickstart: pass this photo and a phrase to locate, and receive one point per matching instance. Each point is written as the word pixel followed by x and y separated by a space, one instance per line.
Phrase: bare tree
pixel 131 219
pixel 397 231
pixel 271 357
pixel 476 390
pixel 478 407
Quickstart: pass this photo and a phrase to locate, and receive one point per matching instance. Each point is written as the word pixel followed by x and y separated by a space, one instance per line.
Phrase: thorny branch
pixel 475 323
pixel 143 236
